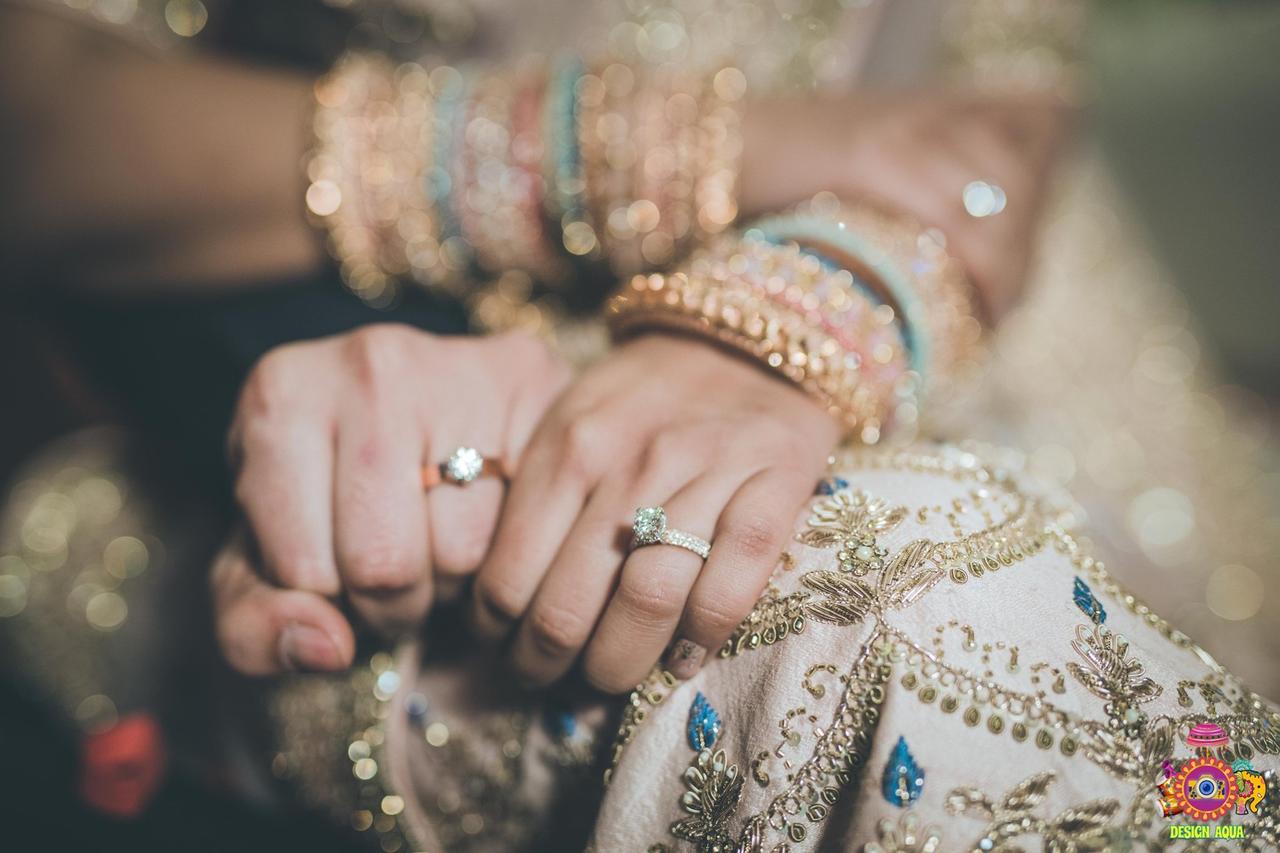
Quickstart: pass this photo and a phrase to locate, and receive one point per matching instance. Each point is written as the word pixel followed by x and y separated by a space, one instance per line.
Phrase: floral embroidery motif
pixel 1133 758
pixel 714 788
pixel 1112 676
pixel 1082 827
pixel 846 513
pixel 862 588
pixel 770 621
pixel 903 780
pixel 845 600
pixel 1089 605
pixel 908 835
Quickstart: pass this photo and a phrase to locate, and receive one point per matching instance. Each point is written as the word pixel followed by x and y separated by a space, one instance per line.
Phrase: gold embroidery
pixel 841 749
pixel 332 730
pixel 714 788
pixel 849 514
pixel 647 695
pixel 906 835
pixel 1112 676
pixel 1082 827
pixel 864 587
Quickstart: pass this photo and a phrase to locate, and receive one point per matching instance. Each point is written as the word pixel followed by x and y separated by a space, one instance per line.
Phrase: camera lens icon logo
pixel 1205 788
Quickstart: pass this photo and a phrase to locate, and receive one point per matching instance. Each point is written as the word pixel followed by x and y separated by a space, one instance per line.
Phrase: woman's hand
pixel 329 440
pixel 731 453
pixel 916 153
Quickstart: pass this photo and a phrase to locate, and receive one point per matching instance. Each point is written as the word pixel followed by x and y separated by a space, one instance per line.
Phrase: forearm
pixel 129 169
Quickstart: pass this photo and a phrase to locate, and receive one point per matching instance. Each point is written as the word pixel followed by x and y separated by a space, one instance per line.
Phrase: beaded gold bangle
pixel 783 307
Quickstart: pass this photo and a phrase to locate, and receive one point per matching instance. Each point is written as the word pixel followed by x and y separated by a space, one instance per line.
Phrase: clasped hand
pixel 329 439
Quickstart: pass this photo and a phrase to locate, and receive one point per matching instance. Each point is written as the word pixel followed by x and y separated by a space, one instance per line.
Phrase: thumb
pixel 265 630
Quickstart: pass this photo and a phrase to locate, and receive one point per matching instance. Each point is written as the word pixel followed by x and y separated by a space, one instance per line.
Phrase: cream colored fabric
pixel 963 638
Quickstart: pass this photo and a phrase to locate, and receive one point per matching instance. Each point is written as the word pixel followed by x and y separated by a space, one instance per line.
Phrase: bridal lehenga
pixel 963 648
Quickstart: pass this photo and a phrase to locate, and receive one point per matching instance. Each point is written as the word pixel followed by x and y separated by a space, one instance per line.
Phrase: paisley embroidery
pixel 704 724
pixel 903 781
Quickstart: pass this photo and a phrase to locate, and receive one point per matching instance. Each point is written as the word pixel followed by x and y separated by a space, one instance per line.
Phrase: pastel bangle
pixel 922 281
pixel 798 314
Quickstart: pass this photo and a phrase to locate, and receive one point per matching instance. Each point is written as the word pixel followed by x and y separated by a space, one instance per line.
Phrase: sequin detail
pixel 1088 603
pixel 903 780
pixel 704 724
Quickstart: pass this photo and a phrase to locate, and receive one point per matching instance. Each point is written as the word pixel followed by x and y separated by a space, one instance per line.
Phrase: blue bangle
pixel 440 183
pixel 566 198
pixel 799 228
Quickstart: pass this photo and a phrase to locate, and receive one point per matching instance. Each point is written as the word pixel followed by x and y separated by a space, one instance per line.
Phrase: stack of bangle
pixel 912 272
pixel 810 303
pixel 433 174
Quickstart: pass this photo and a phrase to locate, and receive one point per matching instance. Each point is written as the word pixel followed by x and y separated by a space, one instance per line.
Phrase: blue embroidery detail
pixel 903 780
pixel 831 485
pixel 1088 603
pixel 704 724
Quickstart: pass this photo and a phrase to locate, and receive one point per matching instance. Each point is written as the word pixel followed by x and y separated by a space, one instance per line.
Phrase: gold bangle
pixel 788 311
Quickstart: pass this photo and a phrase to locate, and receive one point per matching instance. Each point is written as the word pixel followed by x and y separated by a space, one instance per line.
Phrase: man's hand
pixel 329 442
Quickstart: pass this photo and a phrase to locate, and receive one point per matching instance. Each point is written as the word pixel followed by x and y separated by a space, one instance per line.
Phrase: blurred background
pixel 1185 110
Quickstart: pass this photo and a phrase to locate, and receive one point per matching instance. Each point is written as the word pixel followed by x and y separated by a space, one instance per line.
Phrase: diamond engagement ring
pixel 463 466
pixel 650 528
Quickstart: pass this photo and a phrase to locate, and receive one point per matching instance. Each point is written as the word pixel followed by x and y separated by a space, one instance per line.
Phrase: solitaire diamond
pixel 650 524
pixel 463 466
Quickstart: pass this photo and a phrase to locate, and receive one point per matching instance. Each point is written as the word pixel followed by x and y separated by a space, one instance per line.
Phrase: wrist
pixel 853 306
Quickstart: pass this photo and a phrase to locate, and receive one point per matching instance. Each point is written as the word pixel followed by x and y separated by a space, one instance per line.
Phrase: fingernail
pixel 685 659
pixel 305 648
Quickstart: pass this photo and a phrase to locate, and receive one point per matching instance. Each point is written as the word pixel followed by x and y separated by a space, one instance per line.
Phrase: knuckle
pixel 500 596
pixel 715 618
pixel 557 631
pixel 376 353
pixel 379 569
pixel 656 595
pixel 669 448
pixel 755 537
pixel 584 440
pixel 462 553
pixel 607 680
pixel 271 385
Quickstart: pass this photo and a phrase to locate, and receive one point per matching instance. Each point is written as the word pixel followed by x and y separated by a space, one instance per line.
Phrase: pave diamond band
pixel 463 466
pixel 650 528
